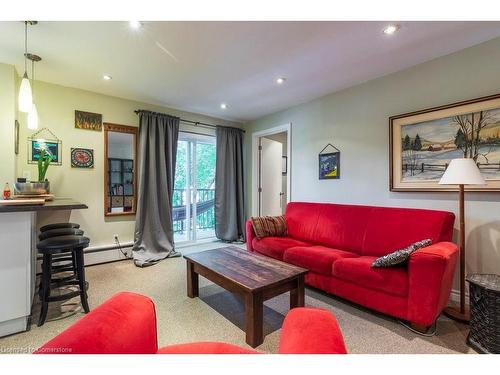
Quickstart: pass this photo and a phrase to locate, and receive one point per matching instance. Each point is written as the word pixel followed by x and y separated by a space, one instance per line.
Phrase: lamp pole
pixel 462 248
pixel 462 314
pixel 461 172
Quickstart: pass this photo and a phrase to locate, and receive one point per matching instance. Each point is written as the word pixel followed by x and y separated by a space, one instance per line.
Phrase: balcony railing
pixel 204 210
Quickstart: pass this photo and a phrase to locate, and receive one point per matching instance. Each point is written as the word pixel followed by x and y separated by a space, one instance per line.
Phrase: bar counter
pixel 56 204
pixel 18 261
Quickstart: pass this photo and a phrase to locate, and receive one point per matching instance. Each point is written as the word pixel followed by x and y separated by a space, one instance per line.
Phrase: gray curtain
pixel 229 185
pixel 157 150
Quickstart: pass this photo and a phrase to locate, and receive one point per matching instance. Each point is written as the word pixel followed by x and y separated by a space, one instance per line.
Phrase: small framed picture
pixel 329 166
pixel 51 147
pixel 284 165
pixel 88 120
pixel 82 158
pixel 16 137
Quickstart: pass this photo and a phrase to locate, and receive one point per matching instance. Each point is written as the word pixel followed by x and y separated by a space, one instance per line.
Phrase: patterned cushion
pixel 400 256
pixel 269 226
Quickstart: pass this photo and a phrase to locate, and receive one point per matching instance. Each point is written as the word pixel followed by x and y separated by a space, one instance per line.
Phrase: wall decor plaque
pixel 88 120
pixel 82 158
pixel 329 163
pixel 44 139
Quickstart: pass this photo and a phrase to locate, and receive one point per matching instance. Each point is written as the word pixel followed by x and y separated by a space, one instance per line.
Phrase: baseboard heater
pixel 101 248
pixel 98 249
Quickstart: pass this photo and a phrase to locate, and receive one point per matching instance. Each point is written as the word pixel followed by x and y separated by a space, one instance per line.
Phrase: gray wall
pixel 356 121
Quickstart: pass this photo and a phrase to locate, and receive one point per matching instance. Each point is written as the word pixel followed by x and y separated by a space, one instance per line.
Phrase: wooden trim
pixel 419 112
pixel 120 129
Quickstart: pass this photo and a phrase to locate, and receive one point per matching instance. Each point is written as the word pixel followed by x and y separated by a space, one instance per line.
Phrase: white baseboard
pixel 105 256
pixel 13 326
pixel 111 253
pixel 455 296
pixel 98 254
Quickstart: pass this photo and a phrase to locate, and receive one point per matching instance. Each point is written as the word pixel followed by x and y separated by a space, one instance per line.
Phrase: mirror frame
pixel 120 129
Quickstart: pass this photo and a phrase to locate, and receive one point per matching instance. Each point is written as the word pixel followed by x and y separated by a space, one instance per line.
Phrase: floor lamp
pixel 461 172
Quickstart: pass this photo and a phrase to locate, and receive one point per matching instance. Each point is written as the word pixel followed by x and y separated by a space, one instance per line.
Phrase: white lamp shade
pixel 25 95
pixel 462 171
pixel 33 118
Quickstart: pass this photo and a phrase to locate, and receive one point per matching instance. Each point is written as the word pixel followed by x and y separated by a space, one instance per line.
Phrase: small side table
pixel 484 295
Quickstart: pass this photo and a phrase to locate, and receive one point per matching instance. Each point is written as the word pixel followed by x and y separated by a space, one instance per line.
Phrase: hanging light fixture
pixel 33 118
pixel 33 113
pixel 25 93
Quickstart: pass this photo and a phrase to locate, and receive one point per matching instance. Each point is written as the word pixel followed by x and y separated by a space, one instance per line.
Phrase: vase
pixel 32 188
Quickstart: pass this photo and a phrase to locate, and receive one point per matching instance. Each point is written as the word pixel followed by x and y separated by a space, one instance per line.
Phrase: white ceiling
pixel 195 66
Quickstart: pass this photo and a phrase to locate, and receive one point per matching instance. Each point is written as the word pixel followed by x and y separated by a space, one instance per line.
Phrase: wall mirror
pixel 119 169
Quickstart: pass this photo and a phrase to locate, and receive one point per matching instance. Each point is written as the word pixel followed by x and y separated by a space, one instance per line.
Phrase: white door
pixel 270 195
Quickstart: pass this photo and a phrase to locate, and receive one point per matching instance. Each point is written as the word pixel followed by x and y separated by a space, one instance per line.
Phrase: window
pixel 194 188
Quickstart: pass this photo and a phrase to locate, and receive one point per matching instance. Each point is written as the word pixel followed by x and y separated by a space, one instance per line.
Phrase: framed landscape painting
pixel 423 143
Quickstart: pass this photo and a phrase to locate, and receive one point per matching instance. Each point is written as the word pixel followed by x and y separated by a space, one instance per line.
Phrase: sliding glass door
pixel 194 188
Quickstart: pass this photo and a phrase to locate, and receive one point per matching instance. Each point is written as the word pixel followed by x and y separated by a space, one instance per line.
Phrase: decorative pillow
pixel 400 256
pixel 266 226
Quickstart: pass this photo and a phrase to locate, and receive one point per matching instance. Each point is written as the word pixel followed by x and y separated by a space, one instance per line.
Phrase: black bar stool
pixel 49 248
pixel 62 262
pixel 49 233
pixel 59 225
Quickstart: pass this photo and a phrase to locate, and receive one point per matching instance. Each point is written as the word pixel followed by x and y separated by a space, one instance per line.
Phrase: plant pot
pixel 32 188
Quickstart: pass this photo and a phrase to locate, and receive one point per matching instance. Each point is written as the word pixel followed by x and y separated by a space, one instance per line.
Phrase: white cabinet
pixel 17 276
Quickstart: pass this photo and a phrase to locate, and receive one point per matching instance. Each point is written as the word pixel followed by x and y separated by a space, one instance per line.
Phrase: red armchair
pixel 126 324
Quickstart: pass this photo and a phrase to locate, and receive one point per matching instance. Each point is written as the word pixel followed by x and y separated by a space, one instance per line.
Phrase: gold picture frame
pixel 88 120
pixel 422 143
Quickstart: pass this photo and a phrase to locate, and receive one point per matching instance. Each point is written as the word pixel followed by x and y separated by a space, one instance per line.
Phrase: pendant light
pixel 33 113
pixel 25 93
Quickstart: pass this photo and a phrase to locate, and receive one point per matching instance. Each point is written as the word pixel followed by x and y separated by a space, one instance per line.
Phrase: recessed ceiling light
pixel 135 24
pixel 391 29
pixel 223 106
pixel 106 77
pixel 280 80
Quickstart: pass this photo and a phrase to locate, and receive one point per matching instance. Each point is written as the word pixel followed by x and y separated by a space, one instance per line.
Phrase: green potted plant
pixel 43 164
pixel 42 186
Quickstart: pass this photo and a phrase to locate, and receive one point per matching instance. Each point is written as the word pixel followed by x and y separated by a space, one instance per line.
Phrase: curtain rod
pixel 195 123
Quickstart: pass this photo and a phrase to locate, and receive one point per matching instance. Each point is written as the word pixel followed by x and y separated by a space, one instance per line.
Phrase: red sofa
pixel 126 324
pixel 338 243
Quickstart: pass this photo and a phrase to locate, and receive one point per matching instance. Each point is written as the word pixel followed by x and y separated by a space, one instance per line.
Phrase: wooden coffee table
pixel 255 277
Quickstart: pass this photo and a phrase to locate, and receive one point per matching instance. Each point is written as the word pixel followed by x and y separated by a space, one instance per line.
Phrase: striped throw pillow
pixel 269 226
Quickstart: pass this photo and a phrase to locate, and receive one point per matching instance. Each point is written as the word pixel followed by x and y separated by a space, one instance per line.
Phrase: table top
pixel 53 205
pixel 249 270
pixel 485 280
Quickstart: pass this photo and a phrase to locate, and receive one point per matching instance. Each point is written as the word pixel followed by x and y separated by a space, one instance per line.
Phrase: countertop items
pixel 47 197
pixel 21 202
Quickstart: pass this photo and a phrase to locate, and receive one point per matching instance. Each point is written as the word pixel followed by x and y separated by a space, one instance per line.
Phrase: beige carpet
pixel 219 316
